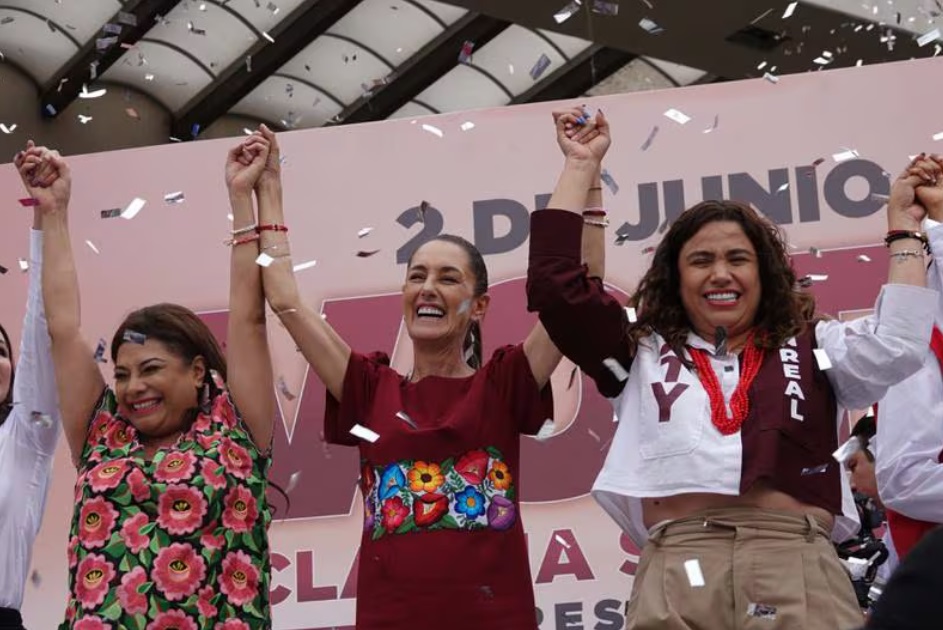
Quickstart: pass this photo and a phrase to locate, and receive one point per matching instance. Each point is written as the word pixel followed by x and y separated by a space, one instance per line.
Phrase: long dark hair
pixel 6 405
pixel 783 312
pixel 472 345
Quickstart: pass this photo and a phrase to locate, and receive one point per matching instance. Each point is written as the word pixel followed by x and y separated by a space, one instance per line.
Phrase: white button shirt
pixel 910 425
pixel 27 445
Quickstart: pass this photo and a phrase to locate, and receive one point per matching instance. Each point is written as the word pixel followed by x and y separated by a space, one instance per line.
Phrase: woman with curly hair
pixel 728 394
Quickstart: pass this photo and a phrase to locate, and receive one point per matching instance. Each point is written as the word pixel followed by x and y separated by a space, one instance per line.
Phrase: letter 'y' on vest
pixel 666 399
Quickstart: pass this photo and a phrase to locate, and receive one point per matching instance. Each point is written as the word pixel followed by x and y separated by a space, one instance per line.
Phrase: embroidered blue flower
pixel 391 481
pixel 470 502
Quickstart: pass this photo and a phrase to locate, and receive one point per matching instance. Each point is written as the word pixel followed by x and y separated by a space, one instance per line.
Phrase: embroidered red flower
pixel 429 509
pixel 472 466
pixel 210 540
pixel 133 602
pixel 73 551
pixel 232 624
pixel 140 486
pixel 202 423
pixel 95 456
pixel 394 512
pixel 96 520
pixel 107 475
pixel 131 534
pixel 172 620
pixel 367 479
pixel 176 466
pixel 204 602
pixel 92 579
pixel 180 509
pixel 499 475
pixel 99 427
pixel 91 623
pixel 235 458
pixel 239 580
pixel 213 473
pixel 178 571
pixel 117 435
pixel 241 509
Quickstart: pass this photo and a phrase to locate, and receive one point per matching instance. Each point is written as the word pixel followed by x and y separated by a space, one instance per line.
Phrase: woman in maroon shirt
pixel 439 447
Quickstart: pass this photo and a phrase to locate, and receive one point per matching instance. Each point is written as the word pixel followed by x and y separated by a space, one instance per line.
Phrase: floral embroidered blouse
pixel 180 541
pixel 443 543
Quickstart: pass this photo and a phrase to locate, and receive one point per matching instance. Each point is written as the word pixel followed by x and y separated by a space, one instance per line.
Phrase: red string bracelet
pixel 273 227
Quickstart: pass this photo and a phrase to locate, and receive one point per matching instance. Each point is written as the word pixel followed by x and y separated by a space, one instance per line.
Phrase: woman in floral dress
pixel 443 543
pixel 170 523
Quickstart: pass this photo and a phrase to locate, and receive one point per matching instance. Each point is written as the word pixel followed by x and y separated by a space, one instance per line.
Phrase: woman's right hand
pixel 45 176
pixel 245 163
pixel 930 192
pixel 273 165
pixel 581 137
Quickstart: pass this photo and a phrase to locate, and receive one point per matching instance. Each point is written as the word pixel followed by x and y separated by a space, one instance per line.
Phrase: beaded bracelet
pixel 907 253
pixel 245 230
pixel 898 235
pixel 604 222
pixel 248 238
pixel 273 227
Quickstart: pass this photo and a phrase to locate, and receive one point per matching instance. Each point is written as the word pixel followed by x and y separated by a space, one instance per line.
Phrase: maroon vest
pixel 793 455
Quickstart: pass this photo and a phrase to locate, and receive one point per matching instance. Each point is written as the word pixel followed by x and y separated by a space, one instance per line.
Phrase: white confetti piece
pixel 305 265
pixel 864 258
pixel 814 470
pixel 433 130
pixel 133 208
pixel 467 126
pixel 845 452
pixel 848 154
pixel 94 94
pixel 268 37
pixel 363 232
pixel 762 611
pixel 790 10
pixel 84 119
pixel 546 430
pixel 402 415
pixel 42 419
pixel 364 433
pixel 695 576
pixel 616 368
pixel 293 481
pixel 92 247
pixel 593 434
pixel 561 540
pixel 264 260
pixel 24 266
pixel 631 314
pixel 650 138
pixel 175 197
pixel 650 26
pixel 817 277
pixel 566 12
pixel 927 38
pixel 936 136
pixel 772 78
pixel 713 126
pixel 678 116
pixel 7 130
pixel 782 188
pixel 821 358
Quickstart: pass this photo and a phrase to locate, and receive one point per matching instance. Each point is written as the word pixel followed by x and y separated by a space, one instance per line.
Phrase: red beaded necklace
pixel 740 401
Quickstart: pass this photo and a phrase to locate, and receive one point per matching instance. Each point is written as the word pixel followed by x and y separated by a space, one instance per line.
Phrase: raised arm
pixel 79 381
pixel 586 323
pixel 35 387
pixel 249 376
pixel 321 346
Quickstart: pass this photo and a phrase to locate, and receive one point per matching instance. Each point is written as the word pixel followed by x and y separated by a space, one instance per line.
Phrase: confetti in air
pixel 650 138
pixel 24 266
pixel 364 433
pixel 847 154
pixel 616 368
pixel 713 126
pixel 864 258
pixel 540 66
pixel 678 116
pixel 821 358
pixel 402 415
pixel 264 260
pixel 174 197
pixel 650 26
pixel 566 12
pixel 790 10
pixel 433 130
pixel 467 126
pixel 367 254
pixel 7 129
pixel 363 232
pixel 305 265
pixel 928 38
pixel 92 247
pixel 133 208
pixel 293 481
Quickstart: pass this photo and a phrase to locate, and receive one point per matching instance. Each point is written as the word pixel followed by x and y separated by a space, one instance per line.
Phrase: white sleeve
pixel 910 426
pixel 34 388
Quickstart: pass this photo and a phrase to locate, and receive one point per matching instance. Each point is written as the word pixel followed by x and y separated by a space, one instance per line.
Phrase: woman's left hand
pixel 904 210
pixel 582 137
pixel 245 163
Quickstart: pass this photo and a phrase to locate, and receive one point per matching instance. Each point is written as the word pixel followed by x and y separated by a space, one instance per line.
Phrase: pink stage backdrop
pixel 482 172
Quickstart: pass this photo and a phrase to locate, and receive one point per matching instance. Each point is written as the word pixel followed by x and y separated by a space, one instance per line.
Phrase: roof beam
pixel 66 85
pixel 576 76
pixel 310 20
pixel 423 69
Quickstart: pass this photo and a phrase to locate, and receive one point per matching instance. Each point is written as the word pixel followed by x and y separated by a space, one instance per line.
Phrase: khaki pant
pixel 741 569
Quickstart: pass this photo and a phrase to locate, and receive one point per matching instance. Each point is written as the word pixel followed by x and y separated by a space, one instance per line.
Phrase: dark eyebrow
pixel 142 364
pixel 445 269
pixel 739 252
pixel 699 252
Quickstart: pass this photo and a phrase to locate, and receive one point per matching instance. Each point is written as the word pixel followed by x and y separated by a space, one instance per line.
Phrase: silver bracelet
pixel 245 230
pixel 907 253
pixel 603 222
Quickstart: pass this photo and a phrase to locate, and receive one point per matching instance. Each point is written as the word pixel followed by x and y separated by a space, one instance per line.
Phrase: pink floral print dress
pixel 180 541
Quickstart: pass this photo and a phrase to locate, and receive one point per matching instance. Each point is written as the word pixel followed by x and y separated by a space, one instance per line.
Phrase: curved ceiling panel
pixel 340 67
pixel 395 33
pixel 213 35
pixel 29 42
pixel 288 103
pixel 445 12
pixel 463 88
pixel 165 74
pixel 512 55
pixel 264 15
pixel 82 20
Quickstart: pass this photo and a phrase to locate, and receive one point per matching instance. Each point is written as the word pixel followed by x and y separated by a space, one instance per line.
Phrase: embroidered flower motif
pixel 107 475
pixel 73 551
pixel 140 488
pixel 499 475
pixel 241 510
pixel 180 509
pixel 92 579
pixel 172 620
pixel 394 512
pixel 213 479
pixel 369 513
pixel 232 624
pixel 202 423
pixel 96 520
pixel 178 571
pixel 367 479
pixel 470 502
pixel 204 602
pixel 429 509
pixel 99 427
pixel 501 513
pixel 235 458
pixel 391 481
pixel 425 477
pixel 131 534
pixel 117 435
pixel 91 623
pixel 472 466
pixel 176 466
pixel 133 602
pixel 239 580
pixel 209 539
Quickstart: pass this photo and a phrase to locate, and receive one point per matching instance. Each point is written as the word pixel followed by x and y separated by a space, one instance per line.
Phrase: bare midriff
pixel 760 496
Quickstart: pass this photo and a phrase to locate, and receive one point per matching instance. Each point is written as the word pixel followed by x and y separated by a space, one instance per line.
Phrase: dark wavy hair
pixel 783 312
pixel 476 261
pixel 6 405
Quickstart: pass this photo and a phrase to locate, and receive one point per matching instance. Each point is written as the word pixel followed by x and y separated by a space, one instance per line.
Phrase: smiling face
pixel 720 279
pixel 439 301
pixel 155 387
